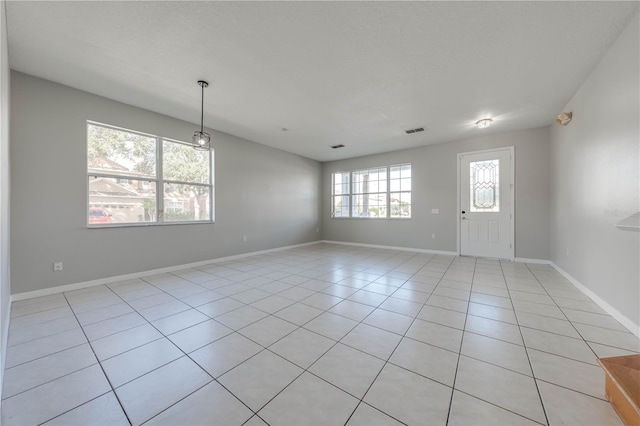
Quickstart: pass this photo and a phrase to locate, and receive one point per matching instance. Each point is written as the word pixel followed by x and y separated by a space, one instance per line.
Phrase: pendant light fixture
pixel 202 139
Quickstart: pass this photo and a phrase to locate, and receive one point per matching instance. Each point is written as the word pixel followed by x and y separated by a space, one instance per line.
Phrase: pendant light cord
pixel 202 110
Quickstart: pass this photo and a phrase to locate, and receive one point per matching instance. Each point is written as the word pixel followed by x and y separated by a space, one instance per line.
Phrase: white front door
pixel 486 203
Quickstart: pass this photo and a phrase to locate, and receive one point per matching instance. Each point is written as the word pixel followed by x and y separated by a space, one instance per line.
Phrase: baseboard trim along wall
pixel 344 243
pixel 5 342
pixel 626 322
pixel 532 261
pixel 108 280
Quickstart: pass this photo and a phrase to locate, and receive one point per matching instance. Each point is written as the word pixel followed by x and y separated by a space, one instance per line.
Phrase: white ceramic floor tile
pixel 322 301
pixel 442 316
pixel 302 347
pixel 389 321
pixel 220 307
pixel 120 342
pixel 497 352
pixel 603 351
pixel 298 313
pixel 41 317
pixel 352 310
pixel 309 401
pixel 331 325
pixel 101 314
pixel 575 375
pixel 512 391
pixel 54 398
pixel 492 312
pixel 366 415
pixel 559 345
pixel 134 363
pixel 349 369
pixel 38 331
pixel 604 336
pixel 372 340
pixel 164 310
pixel 34 349
pixel 436 335
pixel 152 393
pixel 467 410
pixel 241 317
pixel 566 407
pixel 180 321
pixel 552 325
pixel 35 373
pixel 427 360
pixel 448 303
pixel 268 330
pixel 199 335
pixel 492 328
pixel 272 304
pixel 102 411
pixel 598 320
pixel 222 355
pixel 408 397
pixel 114 325
pixel 259 379
pixel 210 405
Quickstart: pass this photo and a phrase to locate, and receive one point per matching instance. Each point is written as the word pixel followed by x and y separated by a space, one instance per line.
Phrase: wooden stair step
pixel 622 386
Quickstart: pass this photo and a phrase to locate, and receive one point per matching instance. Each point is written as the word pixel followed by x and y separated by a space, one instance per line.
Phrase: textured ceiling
pixel 352 73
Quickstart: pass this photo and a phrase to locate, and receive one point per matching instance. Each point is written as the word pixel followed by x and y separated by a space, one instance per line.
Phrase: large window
pixel 135 178
pixel 380 192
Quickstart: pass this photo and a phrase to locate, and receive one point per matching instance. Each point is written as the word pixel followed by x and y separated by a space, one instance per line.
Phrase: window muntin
pixel 379 192
pixel 123 183
pixel 341 194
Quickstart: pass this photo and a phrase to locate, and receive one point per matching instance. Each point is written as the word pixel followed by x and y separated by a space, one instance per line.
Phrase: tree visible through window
pixel 136 178
pixel 380 192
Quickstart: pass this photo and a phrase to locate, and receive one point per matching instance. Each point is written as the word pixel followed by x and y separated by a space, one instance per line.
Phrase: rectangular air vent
pixel 419 129
pixel 337 146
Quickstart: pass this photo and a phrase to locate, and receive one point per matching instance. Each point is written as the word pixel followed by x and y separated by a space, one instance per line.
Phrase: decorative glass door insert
pixel 484 186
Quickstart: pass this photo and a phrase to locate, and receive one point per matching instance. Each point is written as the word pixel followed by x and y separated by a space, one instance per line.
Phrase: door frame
pixel 512 154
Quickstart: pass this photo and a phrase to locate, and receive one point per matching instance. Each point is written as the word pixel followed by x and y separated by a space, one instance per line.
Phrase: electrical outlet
pixel 433 236
pixel 244 238
pixel 57 266
pixel 568 251
pixel 435 211
pixel 317 229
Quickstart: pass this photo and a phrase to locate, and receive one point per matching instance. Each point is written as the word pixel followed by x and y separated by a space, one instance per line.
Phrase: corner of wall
pixel 5 285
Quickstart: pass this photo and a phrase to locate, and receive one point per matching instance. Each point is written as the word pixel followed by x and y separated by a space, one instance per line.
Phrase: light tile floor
pixel 323 334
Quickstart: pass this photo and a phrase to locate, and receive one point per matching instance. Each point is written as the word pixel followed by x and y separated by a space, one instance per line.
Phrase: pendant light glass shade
pixel 201 139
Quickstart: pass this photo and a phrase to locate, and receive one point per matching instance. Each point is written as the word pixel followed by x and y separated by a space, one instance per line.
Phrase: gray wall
pixel 268 195
pixel 594 168
pixel 434 184
pixel 5 286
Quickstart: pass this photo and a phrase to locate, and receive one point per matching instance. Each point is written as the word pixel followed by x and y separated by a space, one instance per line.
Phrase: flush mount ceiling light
pixel 484 123
pixel 564 118
pixel 202 139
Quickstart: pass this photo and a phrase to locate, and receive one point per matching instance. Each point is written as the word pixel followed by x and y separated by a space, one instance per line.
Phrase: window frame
pixel 159 182
pixel 351 194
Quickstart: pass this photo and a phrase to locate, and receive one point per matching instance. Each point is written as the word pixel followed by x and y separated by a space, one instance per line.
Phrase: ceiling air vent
pixel 419 129
pixel 337 146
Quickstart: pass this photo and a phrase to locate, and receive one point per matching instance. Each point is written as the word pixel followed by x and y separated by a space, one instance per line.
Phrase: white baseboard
pixel 134 275
pixel 417 250
pixel 536 261
pixel 5 342
pixel 626 322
